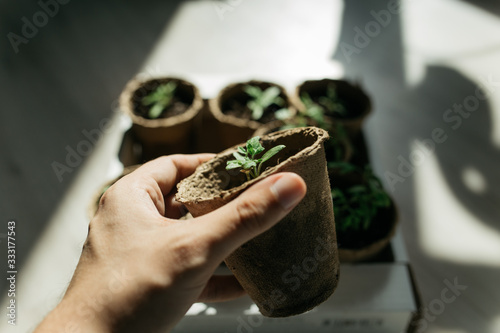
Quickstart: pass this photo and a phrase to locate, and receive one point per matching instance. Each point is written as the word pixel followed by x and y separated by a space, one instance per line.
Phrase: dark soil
pixel 179 104
pixel 237 107
pixel 175 108
pixel 377 230
pixel 352 111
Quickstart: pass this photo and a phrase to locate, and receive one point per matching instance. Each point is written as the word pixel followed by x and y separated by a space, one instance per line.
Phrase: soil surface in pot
pixel 237 107
pixel 378 229
pixel 352 109
pixel 175 108
pixel 213 181
pixel 180 102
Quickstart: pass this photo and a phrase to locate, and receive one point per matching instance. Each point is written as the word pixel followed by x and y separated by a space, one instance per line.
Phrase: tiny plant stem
pixel 258 170
pixel 246 161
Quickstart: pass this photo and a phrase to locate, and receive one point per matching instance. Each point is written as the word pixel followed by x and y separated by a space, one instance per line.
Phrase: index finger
pixel 167 171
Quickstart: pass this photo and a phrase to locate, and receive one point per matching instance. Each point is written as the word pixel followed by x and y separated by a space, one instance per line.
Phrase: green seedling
pixel 313 110
pixel 160 99
pixel 356 206
pixel 247 161
pixel 262 99
pixel 313 114
pixel 332 103
pixel 283 114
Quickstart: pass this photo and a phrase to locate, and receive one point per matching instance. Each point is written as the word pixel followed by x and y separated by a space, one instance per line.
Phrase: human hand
pixel 141 268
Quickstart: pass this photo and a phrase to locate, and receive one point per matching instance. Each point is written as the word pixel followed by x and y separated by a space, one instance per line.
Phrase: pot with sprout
pixel 365 215
pixel 241 108
pixel 163 112
pixel 340 102
pixel 305 238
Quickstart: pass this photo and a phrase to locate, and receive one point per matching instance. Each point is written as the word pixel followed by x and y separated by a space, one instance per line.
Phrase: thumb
pixel 256 210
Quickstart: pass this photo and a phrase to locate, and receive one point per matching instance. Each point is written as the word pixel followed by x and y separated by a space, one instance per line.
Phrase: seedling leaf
pixel 257 110
pixel 271 152
pixel 239 157
pixel 270 96
pixel 249 164
pixel 155 111
pixel 254 147
pixel 231 165
pixel 282 114
pixel 260 100
pixel 253 91
pixel 355 207
pixel 160 98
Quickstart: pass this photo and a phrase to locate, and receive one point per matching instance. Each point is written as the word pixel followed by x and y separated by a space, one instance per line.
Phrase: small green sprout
pixel 312 115
pixel 246 160
pixel 333 104
pixel 313 110
pixel 283 114
pixel 262 99
pixel 329 103
pixel 356 206
pixel 160 98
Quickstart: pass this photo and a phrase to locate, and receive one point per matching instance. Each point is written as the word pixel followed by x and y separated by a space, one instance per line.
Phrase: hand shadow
pixel 468 159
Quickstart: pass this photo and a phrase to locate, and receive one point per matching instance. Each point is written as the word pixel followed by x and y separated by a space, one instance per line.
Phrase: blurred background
pixel 60 80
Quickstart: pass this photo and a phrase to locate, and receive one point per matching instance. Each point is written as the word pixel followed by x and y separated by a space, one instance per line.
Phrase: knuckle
pixel 250 215
pixel 189 254
pixel 105 198
pixel 109 195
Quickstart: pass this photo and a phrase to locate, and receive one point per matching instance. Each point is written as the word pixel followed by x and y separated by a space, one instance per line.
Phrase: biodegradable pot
pixel 235 129
pixel 305 239
pixel 345 144
pixel 357 102
pixel 171 134
pixel 386 217
pixel 355 246
pixel 94 202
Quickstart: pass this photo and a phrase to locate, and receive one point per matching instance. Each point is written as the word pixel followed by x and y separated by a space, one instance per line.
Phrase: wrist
pixel 73 314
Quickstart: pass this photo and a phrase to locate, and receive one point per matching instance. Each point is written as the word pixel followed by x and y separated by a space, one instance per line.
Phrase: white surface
pixel 252 41
pixel 378 296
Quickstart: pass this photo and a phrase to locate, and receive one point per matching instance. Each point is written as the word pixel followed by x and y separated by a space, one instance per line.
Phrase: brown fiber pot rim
pixel 347 255
pixel 354 89
pixel 127 105
pixel 234 88
pixel 270 127
pixel 268 141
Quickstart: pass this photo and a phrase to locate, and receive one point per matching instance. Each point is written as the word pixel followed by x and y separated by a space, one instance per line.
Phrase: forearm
pixel 75 315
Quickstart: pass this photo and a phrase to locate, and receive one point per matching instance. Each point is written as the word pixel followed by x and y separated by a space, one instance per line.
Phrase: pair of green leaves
pixel 330 102
pixel 245 157
pixel 333 104
pixel 160 98
pixel 262 99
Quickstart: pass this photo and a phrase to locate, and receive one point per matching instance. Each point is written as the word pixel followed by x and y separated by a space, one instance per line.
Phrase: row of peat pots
pixel 345 216
pixel 169 116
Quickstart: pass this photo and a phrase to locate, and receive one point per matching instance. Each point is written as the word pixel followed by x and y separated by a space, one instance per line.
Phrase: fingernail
pixel 286 191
